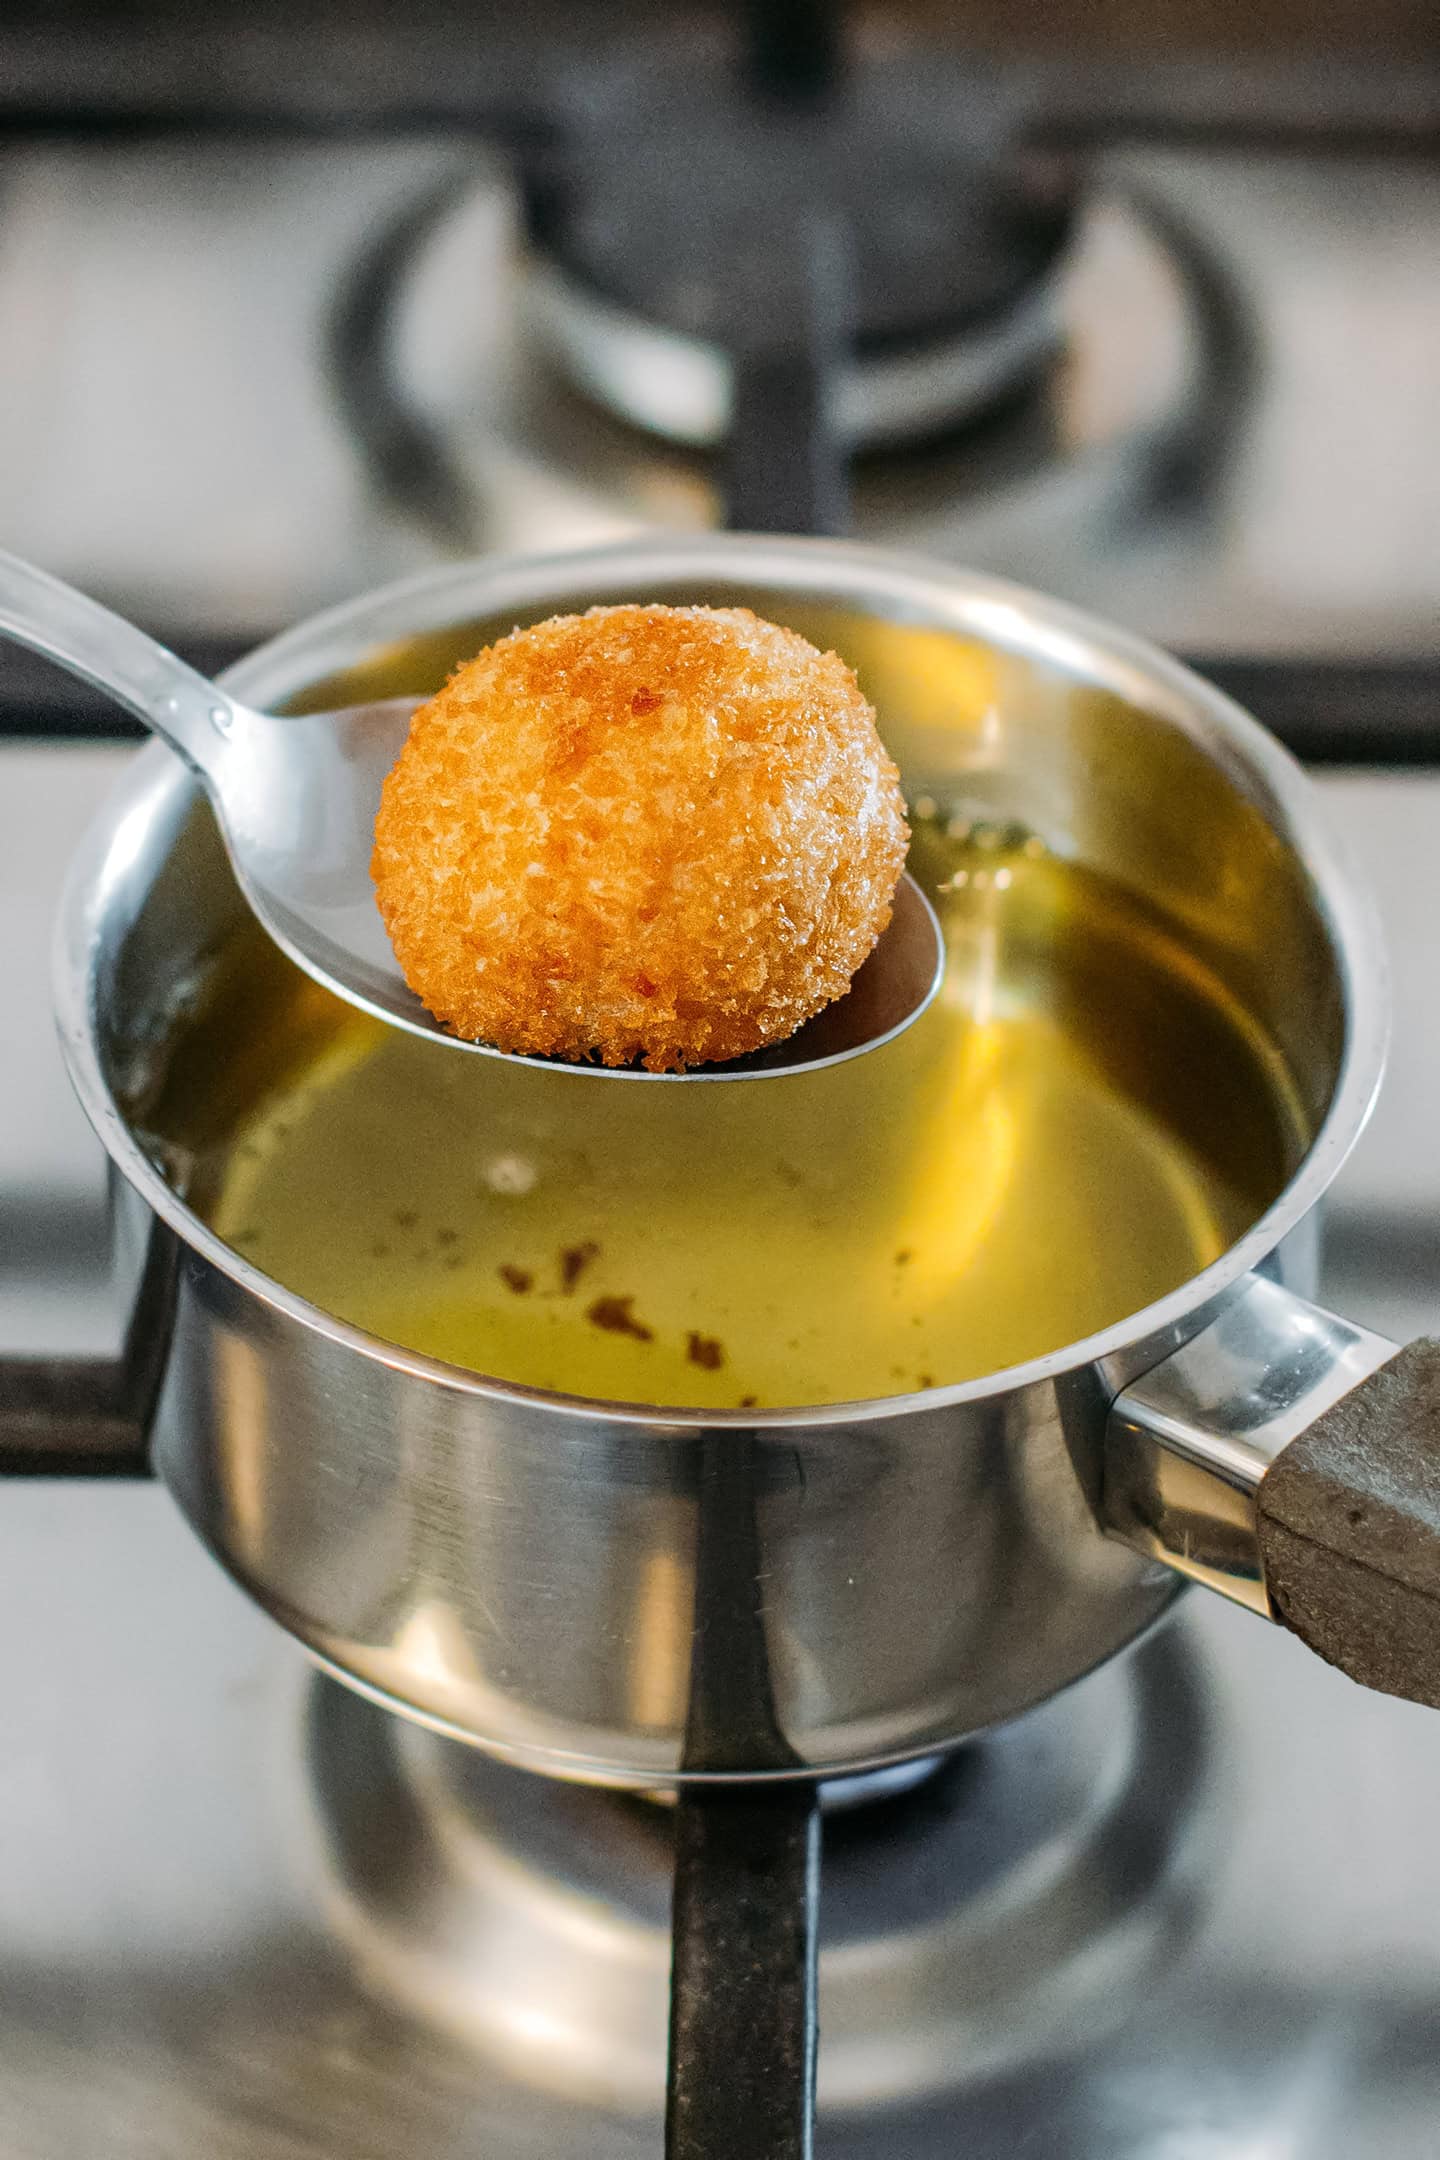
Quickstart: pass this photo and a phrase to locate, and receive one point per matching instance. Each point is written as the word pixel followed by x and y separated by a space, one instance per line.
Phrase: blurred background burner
pixel 668 238
pixel 1100 396
pixel 1126 327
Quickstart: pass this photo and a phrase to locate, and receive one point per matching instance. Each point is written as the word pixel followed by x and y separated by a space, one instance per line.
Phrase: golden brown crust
pixel 669 834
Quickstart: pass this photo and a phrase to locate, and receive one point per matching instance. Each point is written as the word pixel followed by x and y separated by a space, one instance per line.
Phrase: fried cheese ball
pixel 666 834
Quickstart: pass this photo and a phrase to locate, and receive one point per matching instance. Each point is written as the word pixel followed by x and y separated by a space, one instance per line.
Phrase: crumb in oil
pixel 614 1314
pixel 573 1262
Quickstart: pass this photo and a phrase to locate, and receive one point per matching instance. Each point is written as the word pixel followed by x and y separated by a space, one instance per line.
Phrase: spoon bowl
pixel 296 798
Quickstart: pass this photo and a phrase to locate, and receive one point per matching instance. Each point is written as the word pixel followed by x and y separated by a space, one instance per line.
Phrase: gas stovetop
pixel 1187 1909
pixel 1232 449
pixel 1190 1910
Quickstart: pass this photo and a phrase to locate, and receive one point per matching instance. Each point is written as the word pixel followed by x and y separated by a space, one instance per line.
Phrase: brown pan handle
pixel 1349 1529
pixel 1291 1460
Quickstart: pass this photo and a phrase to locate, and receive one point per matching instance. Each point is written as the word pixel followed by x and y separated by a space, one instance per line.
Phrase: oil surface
pixel 1080 1123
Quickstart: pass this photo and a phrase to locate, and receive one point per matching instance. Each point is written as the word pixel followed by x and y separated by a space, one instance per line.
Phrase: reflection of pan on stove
pixel 1011 1908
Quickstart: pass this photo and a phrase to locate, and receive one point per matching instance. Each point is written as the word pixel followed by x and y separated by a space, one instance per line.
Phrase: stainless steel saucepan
pixel 638 1596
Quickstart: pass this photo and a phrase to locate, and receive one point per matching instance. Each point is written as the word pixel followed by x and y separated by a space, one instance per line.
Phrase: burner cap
pixel 660 238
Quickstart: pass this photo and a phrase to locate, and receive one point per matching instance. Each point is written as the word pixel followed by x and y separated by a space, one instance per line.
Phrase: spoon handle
pixel 52 618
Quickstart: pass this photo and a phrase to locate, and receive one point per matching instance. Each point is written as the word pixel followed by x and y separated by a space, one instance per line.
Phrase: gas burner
pixel 1002 1912
pixel 670 237
pixel 893 273
pixel 456 346
pixel 679 387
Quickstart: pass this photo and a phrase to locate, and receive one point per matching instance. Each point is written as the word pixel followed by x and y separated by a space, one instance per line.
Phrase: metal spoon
pixel 296 799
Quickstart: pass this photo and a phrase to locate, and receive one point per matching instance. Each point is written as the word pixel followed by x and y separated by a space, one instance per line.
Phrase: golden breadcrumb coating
pixel 669 834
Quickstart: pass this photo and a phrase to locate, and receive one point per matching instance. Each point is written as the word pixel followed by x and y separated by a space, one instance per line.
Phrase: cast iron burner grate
pixel 1336 711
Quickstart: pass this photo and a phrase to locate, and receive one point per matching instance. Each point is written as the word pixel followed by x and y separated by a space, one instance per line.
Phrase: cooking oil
pixel 1083 1120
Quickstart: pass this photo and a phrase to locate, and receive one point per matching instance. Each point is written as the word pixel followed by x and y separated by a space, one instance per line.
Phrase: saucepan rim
pixel 893 585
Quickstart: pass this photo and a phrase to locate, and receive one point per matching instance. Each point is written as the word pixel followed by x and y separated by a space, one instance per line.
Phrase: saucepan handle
pixel 1349 1523
pixel 1292 1460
